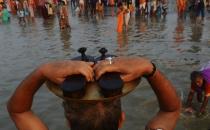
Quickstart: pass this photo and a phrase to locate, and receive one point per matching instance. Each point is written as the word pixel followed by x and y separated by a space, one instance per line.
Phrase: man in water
pixel 102 115
pixel 200 82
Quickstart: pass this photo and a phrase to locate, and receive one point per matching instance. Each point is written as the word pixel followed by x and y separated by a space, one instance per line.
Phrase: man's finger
pixel 88 73
pixel 106 68
pixel 127 77
pixel 91 64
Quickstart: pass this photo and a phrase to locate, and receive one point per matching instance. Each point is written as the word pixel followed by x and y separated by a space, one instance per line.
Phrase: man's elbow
pixel 9 107
pixel 177 107
pixel 10 111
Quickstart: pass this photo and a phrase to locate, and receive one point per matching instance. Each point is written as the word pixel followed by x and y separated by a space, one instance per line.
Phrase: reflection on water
pixel 65 36
pixel 177 46
pixel 194 49
pixel 197 31
pixel 122 39
pixel 179 30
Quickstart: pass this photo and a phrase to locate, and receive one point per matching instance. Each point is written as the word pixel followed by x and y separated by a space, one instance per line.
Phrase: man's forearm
pixel 22 98
pixel 165 92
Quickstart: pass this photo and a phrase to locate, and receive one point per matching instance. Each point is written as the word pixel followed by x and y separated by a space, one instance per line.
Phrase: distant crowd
pixel 26 10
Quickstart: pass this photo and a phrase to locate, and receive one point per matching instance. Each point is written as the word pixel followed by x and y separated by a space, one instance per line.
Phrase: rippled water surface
pixel 176 46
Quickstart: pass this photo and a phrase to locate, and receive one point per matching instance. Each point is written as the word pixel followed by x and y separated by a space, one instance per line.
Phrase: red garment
pixel 205 88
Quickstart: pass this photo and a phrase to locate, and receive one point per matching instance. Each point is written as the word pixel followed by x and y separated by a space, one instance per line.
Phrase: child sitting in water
pixel 200 82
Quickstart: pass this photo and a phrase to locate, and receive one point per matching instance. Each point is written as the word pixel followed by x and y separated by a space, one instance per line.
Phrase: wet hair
pixel 98 116
pixel 194 75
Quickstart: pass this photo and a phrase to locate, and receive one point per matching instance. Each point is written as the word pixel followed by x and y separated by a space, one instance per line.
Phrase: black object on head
pixel 111 84
pixel 83 56
pixel 104 55
pixel 103 52
pixel 82 51
pixel 74 86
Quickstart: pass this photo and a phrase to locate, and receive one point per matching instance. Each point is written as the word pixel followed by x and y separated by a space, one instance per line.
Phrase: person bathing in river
pixel 63 16
pixel 142 6
pixel 208 5
pixel 200 10
pixel 181 7
pixel 164 7
pixel 126 18
pixel 100 9
pixel 153 7
pixel 21 16
pixel 5 15
pixel 120 18
pixel 200 83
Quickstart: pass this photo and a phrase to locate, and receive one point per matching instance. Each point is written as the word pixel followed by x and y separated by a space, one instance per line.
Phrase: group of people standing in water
pixel 27 9
pixel 196 8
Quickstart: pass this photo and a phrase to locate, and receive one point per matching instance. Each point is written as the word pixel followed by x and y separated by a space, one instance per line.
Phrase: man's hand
pixel 130 68
pixel 59 70
pixel 19 105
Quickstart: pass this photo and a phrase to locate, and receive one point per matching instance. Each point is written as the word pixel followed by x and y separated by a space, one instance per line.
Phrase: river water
pixel 176 46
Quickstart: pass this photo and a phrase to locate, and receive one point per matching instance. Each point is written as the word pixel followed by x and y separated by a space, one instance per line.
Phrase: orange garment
pixel 120 18
pixel 142 1
pixel 181 5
